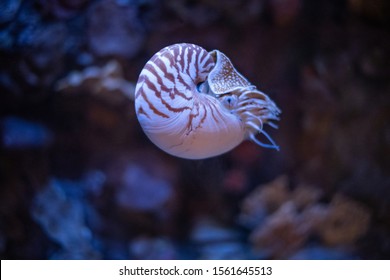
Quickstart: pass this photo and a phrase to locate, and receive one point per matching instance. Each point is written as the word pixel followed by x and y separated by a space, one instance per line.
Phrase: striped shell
pixel 194 104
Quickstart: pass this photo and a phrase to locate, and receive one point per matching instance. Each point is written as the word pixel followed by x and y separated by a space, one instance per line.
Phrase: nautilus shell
pixel 194 104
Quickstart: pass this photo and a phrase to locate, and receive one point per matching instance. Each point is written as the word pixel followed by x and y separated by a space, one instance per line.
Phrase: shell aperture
pixel 194 104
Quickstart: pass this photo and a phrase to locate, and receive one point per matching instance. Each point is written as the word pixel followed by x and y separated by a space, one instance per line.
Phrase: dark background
pixel 80 180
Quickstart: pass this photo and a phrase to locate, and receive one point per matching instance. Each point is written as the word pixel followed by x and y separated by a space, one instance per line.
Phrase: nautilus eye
pixel 194 104
pixel 229 101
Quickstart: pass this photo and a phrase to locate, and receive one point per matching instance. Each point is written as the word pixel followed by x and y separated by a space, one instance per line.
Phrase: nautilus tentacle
pixel 194 104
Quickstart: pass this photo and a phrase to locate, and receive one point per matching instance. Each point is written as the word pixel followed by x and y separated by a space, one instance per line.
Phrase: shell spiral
pixel 194 104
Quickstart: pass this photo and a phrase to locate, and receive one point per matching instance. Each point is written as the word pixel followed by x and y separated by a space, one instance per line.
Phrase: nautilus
pixel 194 104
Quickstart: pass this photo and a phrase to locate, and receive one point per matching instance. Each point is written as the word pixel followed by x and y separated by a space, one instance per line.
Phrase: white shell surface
pixel 177 117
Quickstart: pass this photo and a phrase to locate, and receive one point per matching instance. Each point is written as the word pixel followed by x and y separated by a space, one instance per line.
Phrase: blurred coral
pixel 286 226
pixel 344 223
pixel 105 82
pixel 270 196
pixel 282 233
pixel 304 196
pixel 264 200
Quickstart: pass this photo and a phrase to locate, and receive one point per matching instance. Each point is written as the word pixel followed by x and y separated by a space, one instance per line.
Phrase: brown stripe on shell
pixel 164 69
pixel 141 111
pixel 157 93
pixel 151 106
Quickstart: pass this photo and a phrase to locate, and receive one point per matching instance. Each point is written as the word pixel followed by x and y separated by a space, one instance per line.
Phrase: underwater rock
pixel 114 29
pixel 234 250
pixel 206 231
pixel 106 82
pixel 22 134
pixel 8 10
pixel 6 42
pixel 41 64
pixel 214 241
pixel 81 253
pixel 34 50
pixel 63 219
pixel 14 21
pixel 322 253
pixel 158 248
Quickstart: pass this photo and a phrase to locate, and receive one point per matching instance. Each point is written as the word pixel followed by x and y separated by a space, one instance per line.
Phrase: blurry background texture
pixel 80 180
